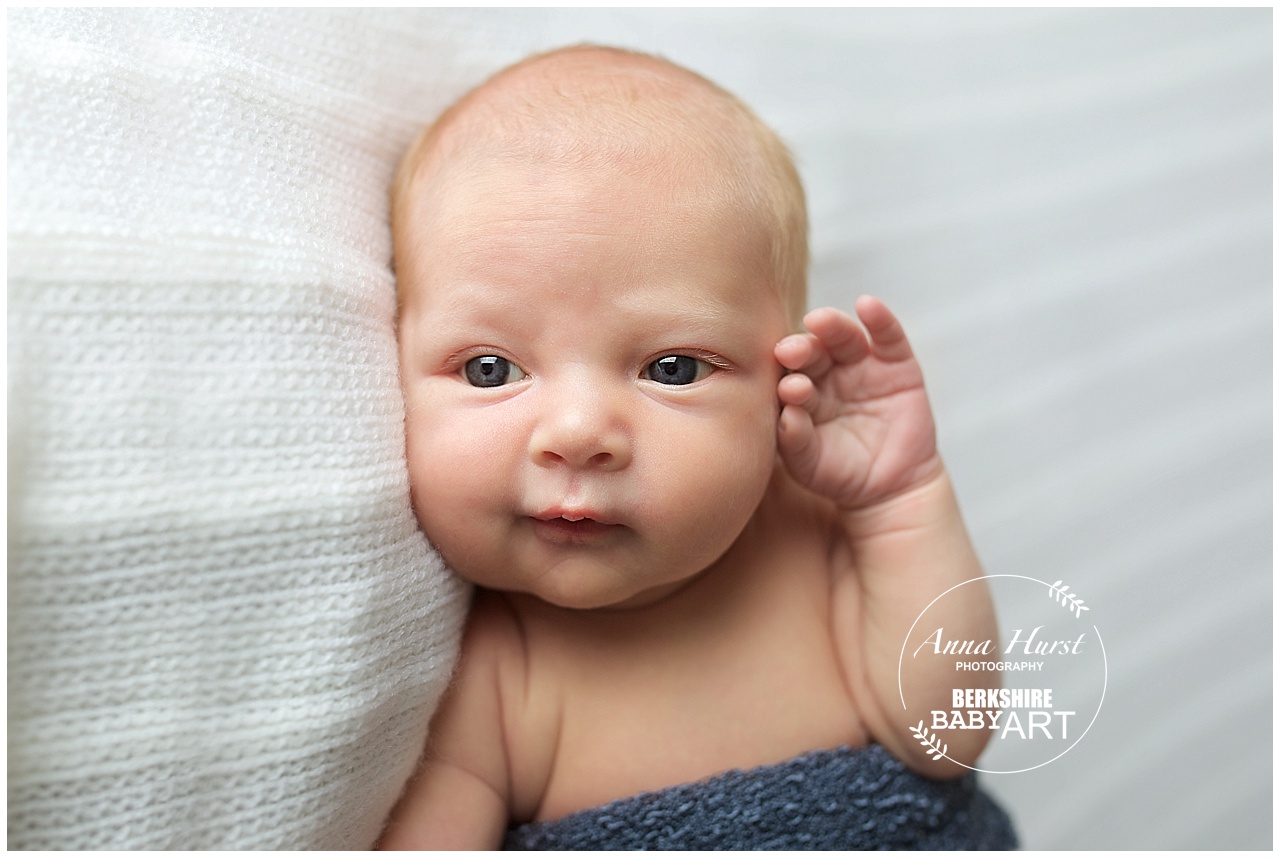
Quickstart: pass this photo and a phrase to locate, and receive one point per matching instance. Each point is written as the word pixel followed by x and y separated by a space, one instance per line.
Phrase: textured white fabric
pixel 225 629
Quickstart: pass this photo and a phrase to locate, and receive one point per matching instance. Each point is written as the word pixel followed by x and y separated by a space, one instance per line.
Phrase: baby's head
pixel 623 112
pixel 596 252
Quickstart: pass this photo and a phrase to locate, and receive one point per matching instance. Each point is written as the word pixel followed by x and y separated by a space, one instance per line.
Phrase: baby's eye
pixel 491 371
pixel 678 369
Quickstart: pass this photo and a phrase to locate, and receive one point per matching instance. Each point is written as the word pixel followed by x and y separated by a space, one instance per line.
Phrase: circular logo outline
pixel 1052 589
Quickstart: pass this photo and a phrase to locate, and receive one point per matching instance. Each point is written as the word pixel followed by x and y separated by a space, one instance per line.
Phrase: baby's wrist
pixel 926 501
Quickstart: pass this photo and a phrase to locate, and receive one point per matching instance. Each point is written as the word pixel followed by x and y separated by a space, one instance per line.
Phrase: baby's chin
pixel 580 571
pixel 591 593
pixel 642 599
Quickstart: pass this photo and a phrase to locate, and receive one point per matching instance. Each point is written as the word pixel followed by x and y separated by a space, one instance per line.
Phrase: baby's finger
pixel 802 353
pixel 797 389
pixel 887 337
pixel 839 334
pixel 798 443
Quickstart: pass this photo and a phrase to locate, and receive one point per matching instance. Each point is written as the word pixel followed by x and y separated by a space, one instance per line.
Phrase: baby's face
pixel 589 380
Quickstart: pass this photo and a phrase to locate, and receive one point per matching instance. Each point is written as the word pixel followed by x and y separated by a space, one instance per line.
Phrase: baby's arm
pixel 856 427
pixel 459 796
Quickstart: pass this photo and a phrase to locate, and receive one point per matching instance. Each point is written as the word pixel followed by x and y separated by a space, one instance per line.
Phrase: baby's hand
pixel 855 425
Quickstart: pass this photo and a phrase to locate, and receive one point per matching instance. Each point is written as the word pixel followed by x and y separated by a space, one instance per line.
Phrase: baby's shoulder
pixel 500 663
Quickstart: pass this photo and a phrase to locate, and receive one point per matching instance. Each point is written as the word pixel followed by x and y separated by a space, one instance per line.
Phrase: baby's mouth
pixel 570 527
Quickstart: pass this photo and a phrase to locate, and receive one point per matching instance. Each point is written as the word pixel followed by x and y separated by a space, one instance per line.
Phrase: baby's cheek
pixel 442 498
pixel 429 451
pixel 728 478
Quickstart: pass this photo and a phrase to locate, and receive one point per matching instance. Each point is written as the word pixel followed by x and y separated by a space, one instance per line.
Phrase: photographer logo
pixel 1036 690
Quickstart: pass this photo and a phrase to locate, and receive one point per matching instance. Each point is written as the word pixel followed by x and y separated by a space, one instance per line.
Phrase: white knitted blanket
pixel 225 629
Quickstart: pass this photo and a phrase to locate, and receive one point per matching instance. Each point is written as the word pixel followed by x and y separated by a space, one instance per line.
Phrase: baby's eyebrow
pixel 482 308
pixel 693 313
pixel 475 330
pixel 474 300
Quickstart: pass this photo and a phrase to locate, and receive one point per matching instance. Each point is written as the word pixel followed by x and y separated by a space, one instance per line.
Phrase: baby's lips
pixel 576 527
pixel 572 515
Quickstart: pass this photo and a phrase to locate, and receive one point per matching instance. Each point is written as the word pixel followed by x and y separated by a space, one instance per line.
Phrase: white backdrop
pixel 1071 210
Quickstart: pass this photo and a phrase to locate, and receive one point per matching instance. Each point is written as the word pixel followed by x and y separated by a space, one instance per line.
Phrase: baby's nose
pixel 584 427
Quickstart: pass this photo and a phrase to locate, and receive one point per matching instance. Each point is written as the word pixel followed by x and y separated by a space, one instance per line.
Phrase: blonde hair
pixel 590 105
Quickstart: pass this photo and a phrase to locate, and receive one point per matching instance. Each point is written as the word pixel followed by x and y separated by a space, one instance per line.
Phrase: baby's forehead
pixel 601 105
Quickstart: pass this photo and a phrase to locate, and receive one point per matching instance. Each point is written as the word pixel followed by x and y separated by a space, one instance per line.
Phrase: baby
pixel 701 526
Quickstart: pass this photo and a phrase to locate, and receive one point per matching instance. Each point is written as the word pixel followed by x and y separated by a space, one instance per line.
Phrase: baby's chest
pixel 639 712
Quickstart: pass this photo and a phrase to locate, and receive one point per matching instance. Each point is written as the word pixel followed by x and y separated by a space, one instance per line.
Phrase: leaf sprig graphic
pixel 1058 591
pixel 928 740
